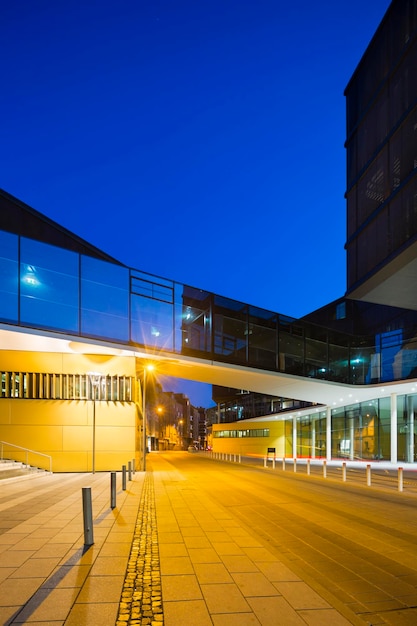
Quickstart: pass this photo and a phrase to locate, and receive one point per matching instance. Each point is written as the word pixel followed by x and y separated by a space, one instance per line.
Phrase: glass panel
pixel 262 334
pixel 193 318
pixel 318 435
pixel 316 353
pixel 230 329
pixel 388 345
pixel 151 323
pixel 8 277
pixel 152 287
pixel 109 391
pixel 366 430
pixel 104 299
pixel 405 361
pixel 291 347
pixel 304 437
pixel 48 286
pixel 402 428
pixel 383 443
pixel 338 358
pixel 128 389
pixel 364 365
pixel 342 436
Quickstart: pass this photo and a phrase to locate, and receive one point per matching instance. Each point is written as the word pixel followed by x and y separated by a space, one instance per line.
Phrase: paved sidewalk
pixel 213 572
pixel 47 575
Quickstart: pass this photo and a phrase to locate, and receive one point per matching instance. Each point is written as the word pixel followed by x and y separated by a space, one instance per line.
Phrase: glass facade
pixel 9 277
pixel 358 432
pixel 381 146
pixel 382 429
pixel 46 287
pixel 104 299
pixel 49 294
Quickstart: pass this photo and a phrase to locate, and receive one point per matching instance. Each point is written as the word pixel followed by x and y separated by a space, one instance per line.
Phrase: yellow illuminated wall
pixel 253 446
pixel 63 429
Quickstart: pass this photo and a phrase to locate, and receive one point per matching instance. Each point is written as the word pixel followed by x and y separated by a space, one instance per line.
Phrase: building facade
pixel 381 245
pixel 381 148
pixel 77 326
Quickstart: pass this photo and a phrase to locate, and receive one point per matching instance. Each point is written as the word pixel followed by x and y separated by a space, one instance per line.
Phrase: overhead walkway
pixel 60 294
pixel 54 293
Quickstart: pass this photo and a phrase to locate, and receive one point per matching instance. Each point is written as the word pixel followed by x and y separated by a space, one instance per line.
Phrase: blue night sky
pixel 199 141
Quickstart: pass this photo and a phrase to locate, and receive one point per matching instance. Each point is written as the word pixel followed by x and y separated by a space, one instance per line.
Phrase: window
pixel 249 432
pixel 49 386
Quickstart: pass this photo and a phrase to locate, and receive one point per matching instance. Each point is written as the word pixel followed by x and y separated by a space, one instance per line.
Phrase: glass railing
pixel 46 287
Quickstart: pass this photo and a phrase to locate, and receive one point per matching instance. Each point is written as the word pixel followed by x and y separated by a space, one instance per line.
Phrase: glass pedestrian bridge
pixel 52 288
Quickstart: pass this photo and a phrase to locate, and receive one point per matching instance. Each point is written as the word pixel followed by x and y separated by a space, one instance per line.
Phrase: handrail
pixel 27 451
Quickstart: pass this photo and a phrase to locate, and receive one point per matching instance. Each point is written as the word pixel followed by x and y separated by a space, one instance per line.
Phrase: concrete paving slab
pixel 209 567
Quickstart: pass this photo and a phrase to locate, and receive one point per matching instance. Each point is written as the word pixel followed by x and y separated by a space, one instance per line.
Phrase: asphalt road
pixel 355 544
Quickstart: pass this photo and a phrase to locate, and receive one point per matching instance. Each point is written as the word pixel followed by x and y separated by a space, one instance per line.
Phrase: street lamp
pixel 95 380
pixel 148 368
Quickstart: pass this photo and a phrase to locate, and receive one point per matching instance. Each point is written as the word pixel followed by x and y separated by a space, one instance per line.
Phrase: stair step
pixel 6 465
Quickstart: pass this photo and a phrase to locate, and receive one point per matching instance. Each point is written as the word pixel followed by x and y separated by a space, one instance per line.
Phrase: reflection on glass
pixel 151 323
pixel 193 316
pixel 160 314
pixel 104 299
pixel 8 277
pixel 48 286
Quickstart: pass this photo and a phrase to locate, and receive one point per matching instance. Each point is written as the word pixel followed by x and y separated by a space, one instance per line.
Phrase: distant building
pixel 238 404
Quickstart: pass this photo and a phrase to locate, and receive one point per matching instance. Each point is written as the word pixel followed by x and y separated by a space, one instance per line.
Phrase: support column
pixel 313 439
pixel 394 435
pixel 328 433
pixel 352 438
pixel 410 431
pixel 294 437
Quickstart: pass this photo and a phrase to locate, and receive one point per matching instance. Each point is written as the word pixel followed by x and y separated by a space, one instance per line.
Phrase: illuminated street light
pixel 95 380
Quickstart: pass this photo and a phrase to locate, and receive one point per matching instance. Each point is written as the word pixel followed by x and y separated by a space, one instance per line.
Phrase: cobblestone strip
pixel 141 601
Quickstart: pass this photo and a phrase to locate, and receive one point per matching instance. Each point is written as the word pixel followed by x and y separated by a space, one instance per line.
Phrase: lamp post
pixel 148 368
pixel 95 379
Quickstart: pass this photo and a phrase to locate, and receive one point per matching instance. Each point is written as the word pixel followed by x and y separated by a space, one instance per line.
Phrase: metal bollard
pixel 400 479
pixel 87 517
pixel 324 469
pixel 273 463
pixel 129 466
pixel 368 475
pixel 308 467
pixel 133 466
pixel 344 471
pixel 295 466
pixel 113 490
pixel 124 477
pixel 283 465
pixel 265 461
pixel 239 458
